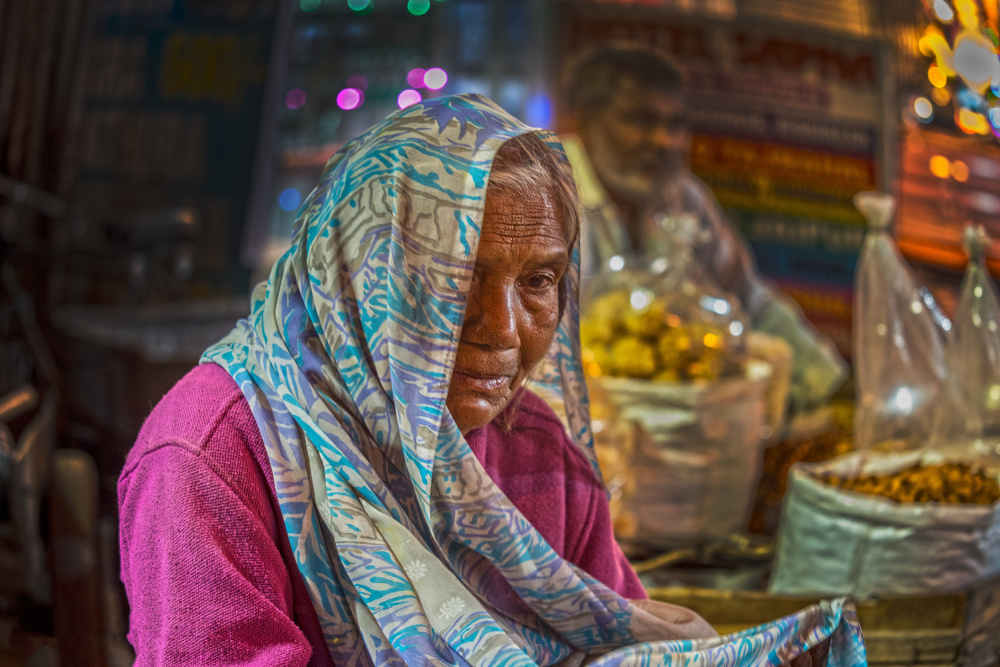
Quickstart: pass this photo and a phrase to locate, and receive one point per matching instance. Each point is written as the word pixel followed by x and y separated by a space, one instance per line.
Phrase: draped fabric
pixel 411 553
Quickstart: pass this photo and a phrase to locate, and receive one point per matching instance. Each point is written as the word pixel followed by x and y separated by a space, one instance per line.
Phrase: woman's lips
pixel 482 381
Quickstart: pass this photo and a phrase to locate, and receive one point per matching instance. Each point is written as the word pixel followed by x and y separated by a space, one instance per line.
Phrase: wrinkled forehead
pixel 514 217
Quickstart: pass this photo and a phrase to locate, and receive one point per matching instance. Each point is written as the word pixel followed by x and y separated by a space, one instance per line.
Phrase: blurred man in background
pixel 630 159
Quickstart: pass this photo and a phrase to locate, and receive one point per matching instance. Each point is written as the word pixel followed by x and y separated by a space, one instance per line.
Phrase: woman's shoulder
pixel 206 414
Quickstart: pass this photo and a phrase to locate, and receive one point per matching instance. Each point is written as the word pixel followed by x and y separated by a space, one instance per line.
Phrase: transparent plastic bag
pixel 973 355
pixel 899 344
pixel 665 348
pixel 661 317
pixel 696 456
pixel 634 329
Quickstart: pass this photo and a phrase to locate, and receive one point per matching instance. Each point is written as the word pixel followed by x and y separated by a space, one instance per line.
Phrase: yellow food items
pixel 651 342
pixel 632 357
pixel 647 322
pixel 595 334
pixel 708 368
pixel 943 483
pixel 609 308
pixel 674 347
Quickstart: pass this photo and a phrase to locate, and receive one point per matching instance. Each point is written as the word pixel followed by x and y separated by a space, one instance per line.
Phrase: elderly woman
pixel 359 474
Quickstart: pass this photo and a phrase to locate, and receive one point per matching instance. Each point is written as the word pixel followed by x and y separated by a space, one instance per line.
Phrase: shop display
pixel 899 346
pixel 833 540
pixel 813 443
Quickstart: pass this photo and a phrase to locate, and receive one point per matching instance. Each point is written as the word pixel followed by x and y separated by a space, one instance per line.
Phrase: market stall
pixel 893 500
pixel 888 490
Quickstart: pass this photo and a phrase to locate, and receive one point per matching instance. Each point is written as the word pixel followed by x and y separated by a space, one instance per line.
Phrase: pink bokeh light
pixel 295 98
pixel 350 98
pixel 408 97
pixel 415 77
pixel 359 81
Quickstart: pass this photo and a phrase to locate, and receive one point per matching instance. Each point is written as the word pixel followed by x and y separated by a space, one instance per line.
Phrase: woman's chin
pixel 472 411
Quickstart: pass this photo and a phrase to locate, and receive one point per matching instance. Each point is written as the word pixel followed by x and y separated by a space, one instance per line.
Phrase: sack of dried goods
pixel 871 523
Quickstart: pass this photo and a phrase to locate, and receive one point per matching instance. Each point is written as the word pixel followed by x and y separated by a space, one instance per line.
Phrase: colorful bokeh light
pixel 295 98
pixel 435 78
pixel 975 60
pixel 538 110
pixel 415 77
pixel 418 7
pixel 923 108
pixel 359 5
pixel 937 77
pixel 349 98
pixel 971 122
pixel 994 116
pixel 940 96
pixel 940 166
pixel 968 13
pixel 358 81
pixel 943 11
pixel 289 199
pixel 408 97
pixel 960 171
pixel 309 5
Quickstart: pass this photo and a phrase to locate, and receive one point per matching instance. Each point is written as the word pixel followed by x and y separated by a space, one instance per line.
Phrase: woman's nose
pixel 492 315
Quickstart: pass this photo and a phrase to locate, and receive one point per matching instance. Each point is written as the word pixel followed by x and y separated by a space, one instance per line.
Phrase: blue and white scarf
pixel 346 359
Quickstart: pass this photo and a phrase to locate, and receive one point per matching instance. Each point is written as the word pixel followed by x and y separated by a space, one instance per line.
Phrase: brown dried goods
pixel 942 483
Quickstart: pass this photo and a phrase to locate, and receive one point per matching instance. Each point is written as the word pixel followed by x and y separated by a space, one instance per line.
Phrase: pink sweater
pixel 206 561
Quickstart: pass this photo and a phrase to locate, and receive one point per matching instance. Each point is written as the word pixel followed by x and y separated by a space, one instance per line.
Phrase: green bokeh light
pixel 359 5
pixel 309 5
pixel 418 7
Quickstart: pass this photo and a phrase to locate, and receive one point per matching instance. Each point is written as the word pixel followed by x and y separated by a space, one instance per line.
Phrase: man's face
pixel 637 141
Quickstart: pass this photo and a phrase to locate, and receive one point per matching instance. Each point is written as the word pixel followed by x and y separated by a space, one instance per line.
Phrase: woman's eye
pixel 540 281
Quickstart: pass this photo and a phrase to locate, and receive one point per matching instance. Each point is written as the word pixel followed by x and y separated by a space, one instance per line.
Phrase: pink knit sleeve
pixel 591 543
pixel 205 580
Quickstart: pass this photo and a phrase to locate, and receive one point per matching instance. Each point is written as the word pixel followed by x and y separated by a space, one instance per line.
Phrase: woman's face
pixel 513 307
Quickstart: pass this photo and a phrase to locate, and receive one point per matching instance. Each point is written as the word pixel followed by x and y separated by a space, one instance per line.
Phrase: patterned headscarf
pixel 411 553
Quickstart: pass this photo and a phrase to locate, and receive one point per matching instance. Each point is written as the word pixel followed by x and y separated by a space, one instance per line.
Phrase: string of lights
pixel 961 42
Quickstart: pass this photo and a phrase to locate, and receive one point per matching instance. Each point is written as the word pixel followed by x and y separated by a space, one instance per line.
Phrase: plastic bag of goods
pixel 973 354
pixel 673 364
pixel 872 523
pixel 899 348
pixel 614 447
